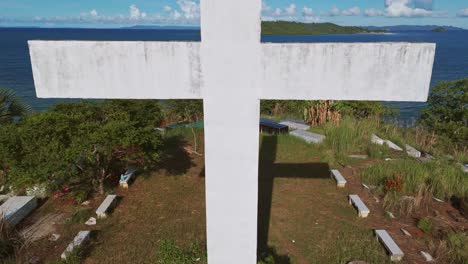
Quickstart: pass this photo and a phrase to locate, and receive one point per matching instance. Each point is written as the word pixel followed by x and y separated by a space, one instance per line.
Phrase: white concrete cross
pixel 231 70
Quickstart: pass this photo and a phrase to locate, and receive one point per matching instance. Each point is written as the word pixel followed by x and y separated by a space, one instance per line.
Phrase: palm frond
pixel 12 106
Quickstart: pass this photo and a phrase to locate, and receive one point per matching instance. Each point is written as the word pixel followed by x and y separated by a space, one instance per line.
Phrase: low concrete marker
pixel 376 140
pixel 106 206
pixel 309 137
pixel 363 211
pixel 412 152
pixel 80 240
pixel 15 209
pixel 392 248
pixel 393 146
pixel 340 180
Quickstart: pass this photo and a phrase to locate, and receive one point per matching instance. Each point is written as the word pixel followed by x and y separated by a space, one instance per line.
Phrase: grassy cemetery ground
pixel 161 217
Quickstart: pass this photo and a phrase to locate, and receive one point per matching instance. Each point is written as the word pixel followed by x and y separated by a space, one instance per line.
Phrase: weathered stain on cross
pixel 231 70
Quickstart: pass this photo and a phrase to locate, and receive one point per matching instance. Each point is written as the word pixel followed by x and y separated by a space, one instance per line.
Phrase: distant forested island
pixel 297 28
pixel 439 29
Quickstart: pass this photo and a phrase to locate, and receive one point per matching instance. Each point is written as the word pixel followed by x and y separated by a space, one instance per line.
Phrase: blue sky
pixel 117 13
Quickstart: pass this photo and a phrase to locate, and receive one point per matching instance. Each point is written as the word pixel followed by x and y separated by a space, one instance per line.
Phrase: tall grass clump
pixel 350 135
pixel 11 244
pixel 420 181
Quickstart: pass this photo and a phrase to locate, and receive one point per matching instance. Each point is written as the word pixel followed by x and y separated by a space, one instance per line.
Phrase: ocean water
pixel 451 60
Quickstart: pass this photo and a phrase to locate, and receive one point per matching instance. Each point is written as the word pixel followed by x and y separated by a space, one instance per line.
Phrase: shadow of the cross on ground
pixel 268 171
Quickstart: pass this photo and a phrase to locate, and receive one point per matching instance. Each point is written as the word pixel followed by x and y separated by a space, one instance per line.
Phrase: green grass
pixel 442 179
pixel 80 216
pixel 426 225
pixel 169 253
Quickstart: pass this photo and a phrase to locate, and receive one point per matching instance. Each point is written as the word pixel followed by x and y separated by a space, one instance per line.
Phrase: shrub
pixel 447 112
pixel 458 246
pixel 425 224
pixel 394 183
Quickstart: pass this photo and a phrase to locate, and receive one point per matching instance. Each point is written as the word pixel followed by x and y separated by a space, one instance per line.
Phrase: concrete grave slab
pixel 362 209
pixel 106 206
pixel 412 152
pixel 15 209
pixel 295 124
pixel 309 137
pixel 340 180
pixel 80 240
pixel 395 252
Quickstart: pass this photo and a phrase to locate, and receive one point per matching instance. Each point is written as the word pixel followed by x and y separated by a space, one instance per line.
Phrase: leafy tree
pixel 447 110
pixel 11 106
pixel 185 110
pixel 81 143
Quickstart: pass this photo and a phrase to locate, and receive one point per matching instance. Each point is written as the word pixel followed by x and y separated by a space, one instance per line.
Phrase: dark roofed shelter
pixel 271 127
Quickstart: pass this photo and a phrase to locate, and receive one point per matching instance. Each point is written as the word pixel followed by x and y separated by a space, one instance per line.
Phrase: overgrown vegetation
pixel 447 111
pixel 80 144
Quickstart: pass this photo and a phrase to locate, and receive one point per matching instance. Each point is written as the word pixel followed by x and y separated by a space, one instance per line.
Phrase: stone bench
pixel 363 211
pixel 340 180
pixel 80 240
pixel 126 178
pixel 106 206
pixel 16 208
pixel 308 136
pixel 395 252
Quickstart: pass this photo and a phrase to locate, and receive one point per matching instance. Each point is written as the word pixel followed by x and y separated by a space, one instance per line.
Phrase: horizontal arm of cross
pixel 347 71
pixel 123 69
pixel 300 71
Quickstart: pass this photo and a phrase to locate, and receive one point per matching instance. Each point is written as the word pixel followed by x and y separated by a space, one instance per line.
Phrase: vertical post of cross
pixel 230 57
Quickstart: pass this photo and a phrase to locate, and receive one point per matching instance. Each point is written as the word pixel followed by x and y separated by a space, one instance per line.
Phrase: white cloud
pixel 463 12
pixel 277 12
pixel 176 15
pixel 167 8
pixel 404 8
pixel 291 9
pixel 135 13
pixel 265 7
pixel 334 11
pixel 307 11
pixel 93 13
pixel 190 9
pixel 353 11
pixel 373 12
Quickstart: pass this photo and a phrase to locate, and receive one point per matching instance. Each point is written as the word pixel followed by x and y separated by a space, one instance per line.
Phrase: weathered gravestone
pixel 15 209
pixel 229 68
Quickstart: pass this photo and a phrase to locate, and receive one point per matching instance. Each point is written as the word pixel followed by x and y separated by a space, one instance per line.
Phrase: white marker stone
pixel 309 137
pixel 412 152
pixel 376 140
pixel 15 209
pixel 80 240
pixel 363 211
pixel 230 66
pixel 106 206
pixel 427 256
pixel 395 252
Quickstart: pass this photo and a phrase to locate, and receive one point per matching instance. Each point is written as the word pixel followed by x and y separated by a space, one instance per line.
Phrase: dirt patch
pixel 43 227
